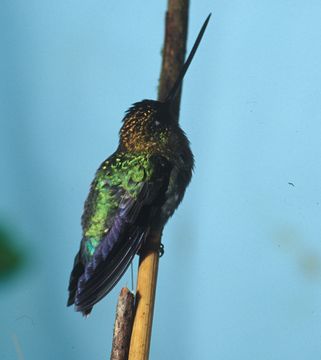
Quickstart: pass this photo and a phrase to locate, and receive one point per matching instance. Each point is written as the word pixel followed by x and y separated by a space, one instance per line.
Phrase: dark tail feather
pixel 86 312
pixel 173 91
pixel 77 271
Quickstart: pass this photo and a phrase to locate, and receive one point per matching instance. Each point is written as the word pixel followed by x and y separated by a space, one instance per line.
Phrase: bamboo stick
pixel 145 298
pixel 173 59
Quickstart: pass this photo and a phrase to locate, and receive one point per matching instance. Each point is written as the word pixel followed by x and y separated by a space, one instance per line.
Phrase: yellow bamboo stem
pixel 145 298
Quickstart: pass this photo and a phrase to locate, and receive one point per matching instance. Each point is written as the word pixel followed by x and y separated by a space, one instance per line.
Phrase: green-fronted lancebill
pixel 134 193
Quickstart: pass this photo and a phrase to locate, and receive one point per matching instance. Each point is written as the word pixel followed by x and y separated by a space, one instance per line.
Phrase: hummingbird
pixel 134 192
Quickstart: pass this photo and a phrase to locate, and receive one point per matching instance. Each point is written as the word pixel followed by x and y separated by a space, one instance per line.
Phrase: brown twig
pixel 173 59
pixel 174 49
pixel 123 325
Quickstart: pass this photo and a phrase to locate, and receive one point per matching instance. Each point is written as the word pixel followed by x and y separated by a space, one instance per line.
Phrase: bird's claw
pixel 161 250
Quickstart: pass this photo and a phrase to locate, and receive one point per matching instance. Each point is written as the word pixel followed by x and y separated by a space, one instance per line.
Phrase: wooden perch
pixel 173 59
pixel 123 325
pixel 145 298
pixel 174 49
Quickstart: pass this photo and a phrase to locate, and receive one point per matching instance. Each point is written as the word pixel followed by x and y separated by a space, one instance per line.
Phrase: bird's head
pixel 147 126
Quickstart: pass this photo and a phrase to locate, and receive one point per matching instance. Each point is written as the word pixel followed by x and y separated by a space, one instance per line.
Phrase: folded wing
pixel 116 221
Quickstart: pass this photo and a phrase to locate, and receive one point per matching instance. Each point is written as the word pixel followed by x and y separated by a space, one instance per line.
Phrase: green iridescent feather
pixel 118 175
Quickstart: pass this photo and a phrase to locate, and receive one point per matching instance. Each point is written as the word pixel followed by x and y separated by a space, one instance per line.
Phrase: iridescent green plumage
pixel 122 173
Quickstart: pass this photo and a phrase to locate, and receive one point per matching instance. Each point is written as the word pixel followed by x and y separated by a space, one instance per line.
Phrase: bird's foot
pixel 152 247
pixel 161 250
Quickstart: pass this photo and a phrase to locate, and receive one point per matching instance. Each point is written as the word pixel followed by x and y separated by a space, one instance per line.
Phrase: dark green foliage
pixel 11 258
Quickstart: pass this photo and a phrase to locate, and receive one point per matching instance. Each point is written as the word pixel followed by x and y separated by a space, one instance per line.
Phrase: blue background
pixel 240 278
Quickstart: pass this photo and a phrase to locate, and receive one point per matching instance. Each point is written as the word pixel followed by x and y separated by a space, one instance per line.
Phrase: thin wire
pixel 132 275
